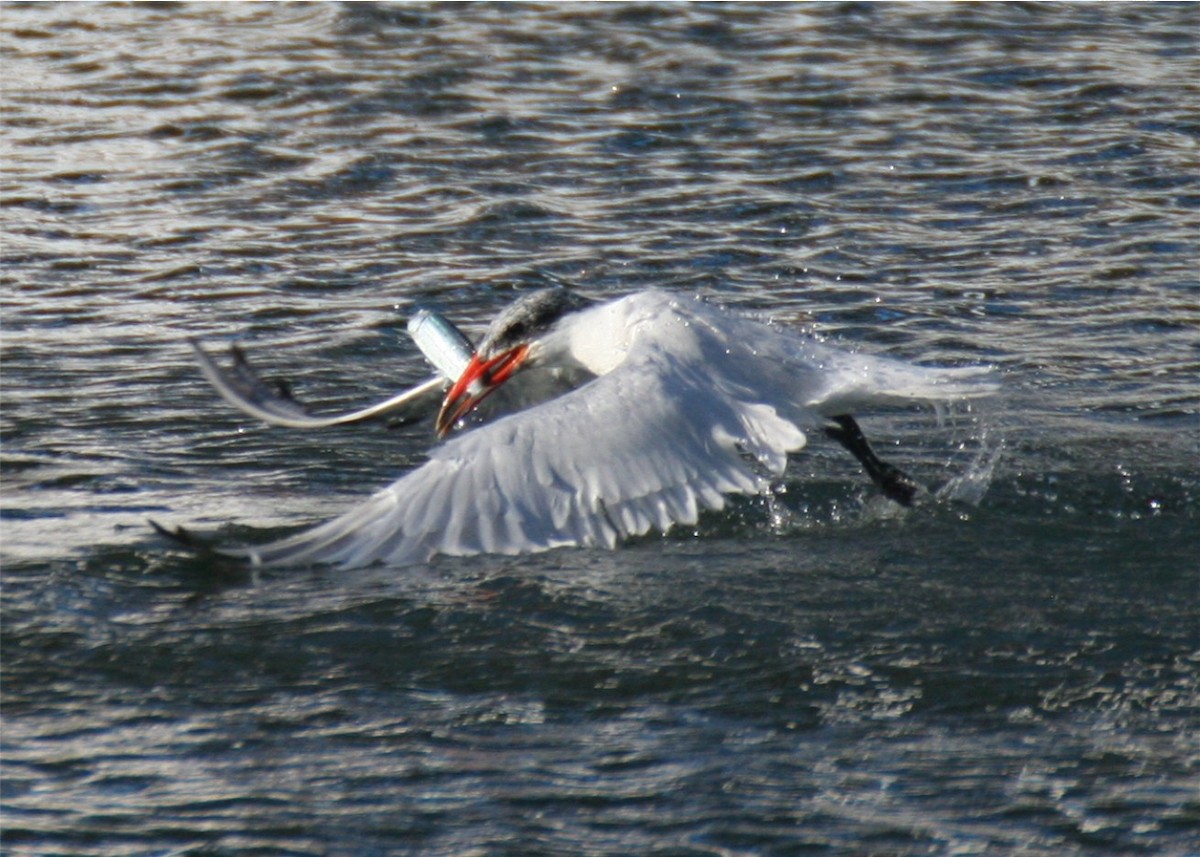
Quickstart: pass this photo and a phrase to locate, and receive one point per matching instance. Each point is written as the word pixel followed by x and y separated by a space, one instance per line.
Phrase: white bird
pixel 638 414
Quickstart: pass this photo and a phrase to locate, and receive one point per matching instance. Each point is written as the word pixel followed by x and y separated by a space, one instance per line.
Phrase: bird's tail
pixel 853 382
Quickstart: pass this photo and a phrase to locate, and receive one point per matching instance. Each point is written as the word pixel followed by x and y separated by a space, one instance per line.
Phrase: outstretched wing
pixel 639 448
pixel 243 388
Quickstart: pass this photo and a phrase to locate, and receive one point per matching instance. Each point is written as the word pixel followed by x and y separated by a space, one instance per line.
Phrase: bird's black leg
pixel 892 481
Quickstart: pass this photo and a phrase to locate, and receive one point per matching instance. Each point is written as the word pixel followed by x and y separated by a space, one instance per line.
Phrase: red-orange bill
pixel 479 380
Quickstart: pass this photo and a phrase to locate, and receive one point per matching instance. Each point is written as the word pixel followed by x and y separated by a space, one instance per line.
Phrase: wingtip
pixel 182 537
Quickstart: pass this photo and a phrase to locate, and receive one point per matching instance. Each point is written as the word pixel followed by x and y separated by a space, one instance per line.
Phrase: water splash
pixel 972 484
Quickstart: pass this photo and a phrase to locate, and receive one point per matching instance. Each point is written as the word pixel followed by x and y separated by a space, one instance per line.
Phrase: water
pixel 1018 185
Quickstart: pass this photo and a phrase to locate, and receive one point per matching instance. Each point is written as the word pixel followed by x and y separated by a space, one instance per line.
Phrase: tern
pixel 624 416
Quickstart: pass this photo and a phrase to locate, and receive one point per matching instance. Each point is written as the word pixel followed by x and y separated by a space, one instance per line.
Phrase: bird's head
pixel 509 345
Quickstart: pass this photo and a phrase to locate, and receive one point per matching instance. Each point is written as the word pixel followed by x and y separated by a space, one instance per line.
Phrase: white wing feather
pixel 701 404
pixel 520 484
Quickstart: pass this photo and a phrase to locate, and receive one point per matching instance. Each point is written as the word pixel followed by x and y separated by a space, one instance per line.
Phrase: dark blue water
pixel 1015 671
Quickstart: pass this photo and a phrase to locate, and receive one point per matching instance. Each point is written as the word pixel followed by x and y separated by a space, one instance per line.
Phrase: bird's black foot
pixel 892 481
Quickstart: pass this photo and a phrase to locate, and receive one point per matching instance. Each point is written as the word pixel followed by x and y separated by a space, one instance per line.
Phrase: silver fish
pixel 445 346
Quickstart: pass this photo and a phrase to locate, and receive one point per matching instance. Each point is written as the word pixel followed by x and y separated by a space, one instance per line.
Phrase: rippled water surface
pixel 1015 185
